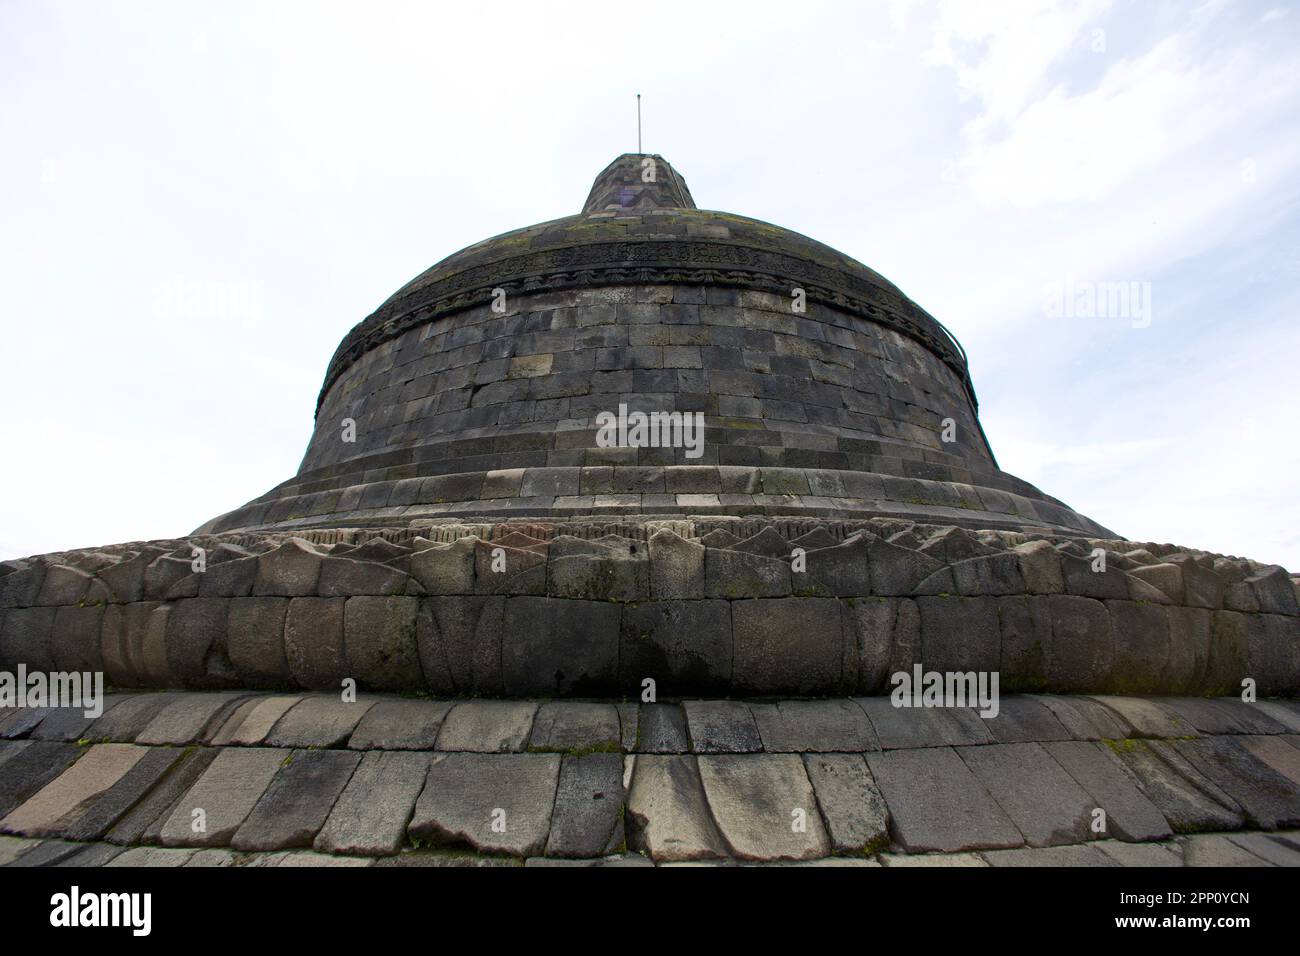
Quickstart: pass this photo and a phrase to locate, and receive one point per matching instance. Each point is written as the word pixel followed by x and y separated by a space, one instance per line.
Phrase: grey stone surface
pixel 667 814
pixel 379 640
pixel 1216 850
pixel 61 801
pixel 400 725
pixel 125 793
pixel 1269 799
pixel 255 641
pixel 959 634
pixel 554 647
pixel 196 643
pixel 900 728
pixel 1050 856
pixel 487 726
pixel 791 646
pixel 319 721
pixel 589 800
pixel 1148 718
pixel 684 646
pixel 721 726
pixel 65 723
pixel 574 726
pixel 370 816
pixel 145 819
pixel 226 793
pixel 297 801
pixel 1083 648
pixel 459 640
pixel 313 642
pixel 1280 755
pixel 737 574
pixel 252 720
pixel 676 567
pixel 290 570
pixel 1140 854
pixel 1085 718
pixel 191 718
pixel 661 728
pixel 130 717
pixel 494 803
pixel 764 806
pixel 1190 802
pixel 1129 815
pixel 29 769
pixel 938 804
pixel 48 853
pixel 152 856
pixel 855 814
pixel 1023 719
pixel 1268 848
pixel 818 726
pixel 1042 800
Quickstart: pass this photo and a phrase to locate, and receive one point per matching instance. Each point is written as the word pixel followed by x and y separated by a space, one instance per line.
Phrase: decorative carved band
pixel 648 262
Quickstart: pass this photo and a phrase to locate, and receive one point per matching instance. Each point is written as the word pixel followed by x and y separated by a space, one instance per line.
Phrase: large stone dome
pixel 474 390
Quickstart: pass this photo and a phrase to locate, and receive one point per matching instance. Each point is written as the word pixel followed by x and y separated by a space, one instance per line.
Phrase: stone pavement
pixel 256 779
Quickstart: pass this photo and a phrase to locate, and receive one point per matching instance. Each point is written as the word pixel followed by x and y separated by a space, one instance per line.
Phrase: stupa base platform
pixel 255 779
pixel 700 605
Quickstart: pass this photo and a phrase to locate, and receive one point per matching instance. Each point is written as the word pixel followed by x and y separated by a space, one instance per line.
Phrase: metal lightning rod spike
pixel 638 124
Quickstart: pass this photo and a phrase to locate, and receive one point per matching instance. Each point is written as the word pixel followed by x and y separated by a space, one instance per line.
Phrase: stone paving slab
pixel 851 805
pixel 1129 815
pixel 319 721
pixel 1219 850
pixel 661 729
pixel 1042 800
pixel 226 793
pixel 721 727
pixel 1184 796
pixel 487 726
pixel 1269 799
pixel 55 807
pixel 764 806
pixel 494 803
pixel 1141 854
pixel 1147 717
pixel 131 716
pixel 188 719
pixel 1277 753
pixel 938 803
pixel 71 723
pixel 904 728
pixel 363 799
pixel 1025 720
pixel 1050 856
pixel 370 816
pixel 250 723
pixel 400 725
pixel 817 726
pixel 589 800
pixel 1084 718
pixel 668 815
pixel 33 766
pixel 297 801
pixel 144 821
pixel 569 725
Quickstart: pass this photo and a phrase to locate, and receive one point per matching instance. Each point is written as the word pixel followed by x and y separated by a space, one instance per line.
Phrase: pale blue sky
pixel 202 199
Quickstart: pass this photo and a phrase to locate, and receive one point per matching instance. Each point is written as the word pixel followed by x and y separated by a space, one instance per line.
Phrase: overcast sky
pixel 201 200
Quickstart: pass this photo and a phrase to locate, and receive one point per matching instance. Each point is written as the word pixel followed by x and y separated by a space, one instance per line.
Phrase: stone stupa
pixel 458 530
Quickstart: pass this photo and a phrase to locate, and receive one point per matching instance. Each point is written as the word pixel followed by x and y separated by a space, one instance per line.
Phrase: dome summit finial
pixel 638 181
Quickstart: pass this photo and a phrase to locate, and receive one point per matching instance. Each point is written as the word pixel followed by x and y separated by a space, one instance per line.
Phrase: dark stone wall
pixel 825 389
